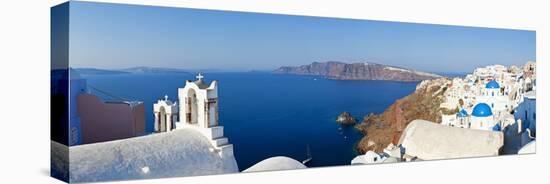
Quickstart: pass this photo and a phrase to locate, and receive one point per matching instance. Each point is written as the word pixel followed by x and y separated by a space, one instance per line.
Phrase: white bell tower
pixel 166 114
pixel 198 110
pixel 199 103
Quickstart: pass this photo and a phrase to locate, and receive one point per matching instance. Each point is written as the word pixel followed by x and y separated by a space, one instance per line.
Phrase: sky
pixel 113 36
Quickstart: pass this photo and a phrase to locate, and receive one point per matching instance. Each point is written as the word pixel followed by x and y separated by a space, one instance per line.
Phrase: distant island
pixel 95 71
pixel 357 71
pixel 141 69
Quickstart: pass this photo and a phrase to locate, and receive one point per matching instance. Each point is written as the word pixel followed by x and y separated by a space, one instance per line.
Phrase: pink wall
pixel 101 121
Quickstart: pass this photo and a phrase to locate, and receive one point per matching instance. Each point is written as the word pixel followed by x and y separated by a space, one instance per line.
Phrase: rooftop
pixel 183 152
pixel 200 82
pixel 462 113
pixel 428 141
pixel 482 110
pixel 492 85
pixel 276 163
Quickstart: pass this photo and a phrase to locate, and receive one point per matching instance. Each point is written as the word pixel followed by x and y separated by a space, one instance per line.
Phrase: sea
pixel 266 114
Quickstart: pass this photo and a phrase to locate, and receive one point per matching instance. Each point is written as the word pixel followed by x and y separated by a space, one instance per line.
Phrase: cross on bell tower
pixel 199 76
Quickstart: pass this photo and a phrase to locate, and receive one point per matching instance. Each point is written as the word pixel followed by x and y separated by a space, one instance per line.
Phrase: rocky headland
pixel 379 130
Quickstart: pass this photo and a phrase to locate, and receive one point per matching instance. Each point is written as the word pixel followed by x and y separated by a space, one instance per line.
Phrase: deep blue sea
pixel 267 114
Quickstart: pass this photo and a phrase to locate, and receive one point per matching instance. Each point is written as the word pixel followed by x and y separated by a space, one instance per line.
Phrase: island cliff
pixel 357 71
pixel 379 130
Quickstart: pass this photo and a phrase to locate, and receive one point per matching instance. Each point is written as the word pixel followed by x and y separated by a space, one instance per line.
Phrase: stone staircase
pixel 218 142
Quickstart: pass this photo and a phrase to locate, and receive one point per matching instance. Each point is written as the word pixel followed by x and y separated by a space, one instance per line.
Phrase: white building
pixel 370 157
pixel 463 119
pixel 178 153
pixel 493 95
pixel 527 113
pixel 166 115
pixel 198 110
pixel 499 99
pixel 428 141
pixel 498 87
pixel 275 164
pixel 199 103
pixel 482 117
pixel 492 88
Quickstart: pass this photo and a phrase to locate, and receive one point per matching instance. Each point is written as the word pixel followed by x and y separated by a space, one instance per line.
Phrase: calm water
pixel 268 115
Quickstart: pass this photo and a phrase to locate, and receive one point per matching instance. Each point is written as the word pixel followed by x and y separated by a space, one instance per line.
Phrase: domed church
pixel 494 97
pixel 482 117
pixel 492 88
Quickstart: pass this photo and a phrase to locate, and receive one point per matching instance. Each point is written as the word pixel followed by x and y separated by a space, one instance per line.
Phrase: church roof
pixel 497 127
pixel 276 163
pixel 183 152
pixel 492 85
pixel 462 113
pixel 482 110
pixel 200 83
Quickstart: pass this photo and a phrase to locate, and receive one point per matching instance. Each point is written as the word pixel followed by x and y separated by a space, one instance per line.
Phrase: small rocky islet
pixel 345 118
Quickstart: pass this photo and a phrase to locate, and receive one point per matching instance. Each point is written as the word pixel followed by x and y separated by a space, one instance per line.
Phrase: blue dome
pixel 497 127
pixel 462 113
pixel 492 85
pixel 482 110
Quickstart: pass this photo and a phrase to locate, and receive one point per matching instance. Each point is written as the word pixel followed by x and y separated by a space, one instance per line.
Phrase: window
pixel 534 116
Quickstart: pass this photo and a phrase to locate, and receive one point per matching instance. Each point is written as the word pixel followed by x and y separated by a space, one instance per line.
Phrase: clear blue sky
pixel 120 36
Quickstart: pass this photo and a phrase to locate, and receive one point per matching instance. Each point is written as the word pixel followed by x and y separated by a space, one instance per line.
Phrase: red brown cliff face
pixel 357 71
pixel 383 129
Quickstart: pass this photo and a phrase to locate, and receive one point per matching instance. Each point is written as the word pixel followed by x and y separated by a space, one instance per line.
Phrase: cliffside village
pixel 487 113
